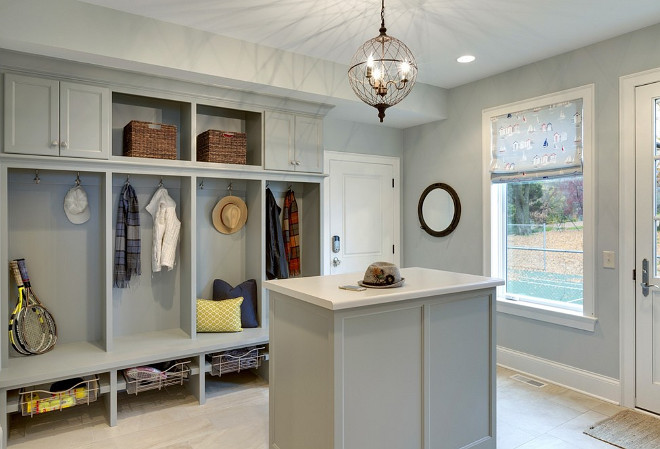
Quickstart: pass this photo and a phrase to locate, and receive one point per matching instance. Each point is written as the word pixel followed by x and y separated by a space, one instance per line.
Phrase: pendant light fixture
pixel 383 70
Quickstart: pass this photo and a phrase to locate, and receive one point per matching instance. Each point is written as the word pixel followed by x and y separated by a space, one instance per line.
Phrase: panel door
pixel 85 121
pixel 279 137
pixel 308 144
pixel 647 247
pixel 31 115
pixel 362 205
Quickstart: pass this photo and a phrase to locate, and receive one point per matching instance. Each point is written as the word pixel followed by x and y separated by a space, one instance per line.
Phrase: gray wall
pixel 351 137
pixel 450 151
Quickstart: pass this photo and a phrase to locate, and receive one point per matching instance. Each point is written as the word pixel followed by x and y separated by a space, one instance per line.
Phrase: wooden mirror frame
pixel 457 210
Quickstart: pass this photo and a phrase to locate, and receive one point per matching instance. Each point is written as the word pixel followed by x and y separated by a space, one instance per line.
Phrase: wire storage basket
pixel 236 360
pixel 35 401
pixel 222 146
pixel 141 379
pixel 153 140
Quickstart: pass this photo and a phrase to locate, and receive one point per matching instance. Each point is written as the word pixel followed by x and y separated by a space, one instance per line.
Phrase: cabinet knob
pixel 63 144
pixel 293 162
pixel 54 143
pixel 297 162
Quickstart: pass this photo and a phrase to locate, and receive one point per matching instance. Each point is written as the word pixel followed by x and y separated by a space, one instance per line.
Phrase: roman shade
pixel 539 143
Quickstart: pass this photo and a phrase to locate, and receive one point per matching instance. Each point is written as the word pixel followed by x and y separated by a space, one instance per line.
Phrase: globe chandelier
pixel 383 70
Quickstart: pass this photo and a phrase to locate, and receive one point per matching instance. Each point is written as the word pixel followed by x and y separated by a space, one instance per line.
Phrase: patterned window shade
pixel 538 143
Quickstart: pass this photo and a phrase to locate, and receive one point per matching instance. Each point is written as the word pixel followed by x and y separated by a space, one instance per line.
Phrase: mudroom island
pixel 406 367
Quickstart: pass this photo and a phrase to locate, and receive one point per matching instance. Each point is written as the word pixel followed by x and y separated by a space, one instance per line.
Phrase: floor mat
pixel 628 430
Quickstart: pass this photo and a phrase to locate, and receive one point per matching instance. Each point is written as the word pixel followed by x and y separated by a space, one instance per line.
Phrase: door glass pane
pixel 657 126
pixel 657 189
pixel 657 247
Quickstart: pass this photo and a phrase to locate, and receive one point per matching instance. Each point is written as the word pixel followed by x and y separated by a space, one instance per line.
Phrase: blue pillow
pixel 248 290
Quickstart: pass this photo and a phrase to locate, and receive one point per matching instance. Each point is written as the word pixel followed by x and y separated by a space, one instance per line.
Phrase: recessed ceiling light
pixel 465 59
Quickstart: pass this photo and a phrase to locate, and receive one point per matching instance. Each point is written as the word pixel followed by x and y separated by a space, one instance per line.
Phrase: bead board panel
pixel 153 300
pixel 64 260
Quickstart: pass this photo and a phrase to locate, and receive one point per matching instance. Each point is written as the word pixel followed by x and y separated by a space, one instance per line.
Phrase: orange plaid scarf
pixel 290 230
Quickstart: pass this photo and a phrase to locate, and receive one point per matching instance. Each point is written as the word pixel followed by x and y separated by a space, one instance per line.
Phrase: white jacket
pixel 166 229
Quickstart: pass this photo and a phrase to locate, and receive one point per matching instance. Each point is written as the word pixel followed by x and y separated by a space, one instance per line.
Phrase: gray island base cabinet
pixel 400 368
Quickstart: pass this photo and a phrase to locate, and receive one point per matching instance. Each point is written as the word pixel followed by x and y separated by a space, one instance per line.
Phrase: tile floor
pixel 235 416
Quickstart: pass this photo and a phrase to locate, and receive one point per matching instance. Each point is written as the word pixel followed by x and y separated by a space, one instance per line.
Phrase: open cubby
pixel 65 261
pixel 231 257
pixel 233 120
pixel 154 301
pixel 127 107
pixel 308 199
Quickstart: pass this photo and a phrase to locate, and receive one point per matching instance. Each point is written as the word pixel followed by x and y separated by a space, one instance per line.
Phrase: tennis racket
pixel 36 326
pixel 13 324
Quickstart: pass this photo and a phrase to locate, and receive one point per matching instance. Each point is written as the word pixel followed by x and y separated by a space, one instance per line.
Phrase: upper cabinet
pixel 293 142
pixel 52 118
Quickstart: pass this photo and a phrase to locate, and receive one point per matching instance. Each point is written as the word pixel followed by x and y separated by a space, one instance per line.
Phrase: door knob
pixel 335 261
pixel 645 278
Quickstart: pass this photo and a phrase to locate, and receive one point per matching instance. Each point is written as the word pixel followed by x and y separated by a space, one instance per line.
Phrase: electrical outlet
pixel 609 260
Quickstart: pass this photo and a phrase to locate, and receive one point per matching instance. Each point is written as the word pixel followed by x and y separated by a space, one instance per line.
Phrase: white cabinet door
pixel 279 141
pixel 308 144
pixel 31 115
pixel 294 142
pixel 49 118
pixel 84 121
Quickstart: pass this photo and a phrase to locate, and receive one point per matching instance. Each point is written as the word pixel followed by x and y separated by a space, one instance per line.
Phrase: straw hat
pixel 76 206
pixel 382 275
pixel 229 215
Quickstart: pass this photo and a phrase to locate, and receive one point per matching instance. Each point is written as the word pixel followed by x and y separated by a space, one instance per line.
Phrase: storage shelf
pixel 163 167
pixel 78 359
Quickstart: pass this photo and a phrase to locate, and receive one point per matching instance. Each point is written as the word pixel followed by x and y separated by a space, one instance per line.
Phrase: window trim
pixel 494 230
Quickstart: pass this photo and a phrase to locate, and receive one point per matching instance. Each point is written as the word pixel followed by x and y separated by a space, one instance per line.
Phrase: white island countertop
pixel 324 291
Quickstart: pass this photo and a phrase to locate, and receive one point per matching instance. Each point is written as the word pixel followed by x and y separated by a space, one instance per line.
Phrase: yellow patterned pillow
pixel 219 316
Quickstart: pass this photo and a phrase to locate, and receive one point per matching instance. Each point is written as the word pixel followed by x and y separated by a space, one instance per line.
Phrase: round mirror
pixel 439 209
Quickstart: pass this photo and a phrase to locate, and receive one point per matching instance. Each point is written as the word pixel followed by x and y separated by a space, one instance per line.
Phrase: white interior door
pixel 363 211
pixel 647 247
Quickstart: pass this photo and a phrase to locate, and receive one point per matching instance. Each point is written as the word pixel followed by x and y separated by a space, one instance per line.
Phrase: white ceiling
pixel 502 34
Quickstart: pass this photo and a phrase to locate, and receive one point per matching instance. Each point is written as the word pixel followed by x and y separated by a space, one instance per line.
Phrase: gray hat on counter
pixel 382 275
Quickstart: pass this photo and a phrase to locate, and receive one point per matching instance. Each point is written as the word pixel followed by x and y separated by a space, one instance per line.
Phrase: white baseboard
pixel 593 384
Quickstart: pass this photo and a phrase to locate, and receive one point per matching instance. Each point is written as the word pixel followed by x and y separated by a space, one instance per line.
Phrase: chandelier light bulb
pixel 405 68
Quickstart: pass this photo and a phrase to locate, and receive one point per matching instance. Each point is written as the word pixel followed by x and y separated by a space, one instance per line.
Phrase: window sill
pixel 547 314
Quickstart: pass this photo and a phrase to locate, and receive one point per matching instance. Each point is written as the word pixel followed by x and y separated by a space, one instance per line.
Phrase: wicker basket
pixel 154 140
pixel 222 146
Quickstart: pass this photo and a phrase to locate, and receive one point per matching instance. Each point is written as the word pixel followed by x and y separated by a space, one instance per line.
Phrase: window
pixel 538 206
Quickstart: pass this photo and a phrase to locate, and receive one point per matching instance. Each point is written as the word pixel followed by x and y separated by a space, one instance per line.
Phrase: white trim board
pixel 593 384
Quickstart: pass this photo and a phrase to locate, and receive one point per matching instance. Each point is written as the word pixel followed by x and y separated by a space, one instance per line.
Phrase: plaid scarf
pixel 127 238
pixel 290 230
